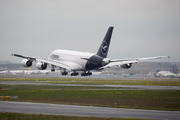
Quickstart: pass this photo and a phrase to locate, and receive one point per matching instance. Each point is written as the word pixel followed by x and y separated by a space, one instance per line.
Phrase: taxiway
pixel 89 111
pixel 145 87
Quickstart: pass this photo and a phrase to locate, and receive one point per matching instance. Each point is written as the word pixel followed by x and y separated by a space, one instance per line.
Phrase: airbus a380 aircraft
pixel 81 61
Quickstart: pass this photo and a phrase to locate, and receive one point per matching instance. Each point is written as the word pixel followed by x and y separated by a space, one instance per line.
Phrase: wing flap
pixel 138 59
pixel 27 57
pixel 118 62
pixel 56 63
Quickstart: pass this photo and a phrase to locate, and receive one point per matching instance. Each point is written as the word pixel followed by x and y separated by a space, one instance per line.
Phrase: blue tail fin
pixel 103 49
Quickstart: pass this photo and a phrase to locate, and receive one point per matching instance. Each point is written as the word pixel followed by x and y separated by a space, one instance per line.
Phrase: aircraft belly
pixel 77 67
pixel 80 65
pixel 92 63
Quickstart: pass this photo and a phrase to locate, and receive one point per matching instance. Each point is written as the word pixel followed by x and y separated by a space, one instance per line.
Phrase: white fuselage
pixel 73 58
pixel 81 61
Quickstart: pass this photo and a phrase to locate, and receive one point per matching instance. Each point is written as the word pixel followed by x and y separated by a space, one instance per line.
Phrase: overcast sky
pixel 142 28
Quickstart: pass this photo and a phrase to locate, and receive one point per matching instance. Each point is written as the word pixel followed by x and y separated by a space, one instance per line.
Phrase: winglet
pixel 169 56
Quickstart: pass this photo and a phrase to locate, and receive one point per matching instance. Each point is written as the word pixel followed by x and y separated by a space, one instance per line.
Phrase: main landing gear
pixel 74 73
pixel 86 74
pixel 64 73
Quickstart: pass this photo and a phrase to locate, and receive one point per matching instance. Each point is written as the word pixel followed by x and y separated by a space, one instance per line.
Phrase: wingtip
pixel 169 56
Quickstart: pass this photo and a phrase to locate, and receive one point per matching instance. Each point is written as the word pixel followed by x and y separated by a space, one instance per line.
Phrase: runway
pixel 144 87
pixel 89 111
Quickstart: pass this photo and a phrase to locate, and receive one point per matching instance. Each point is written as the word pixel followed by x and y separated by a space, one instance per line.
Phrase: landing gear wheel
pixel 64 73
pixel 74 74
pixel 86 74
pixel 52 70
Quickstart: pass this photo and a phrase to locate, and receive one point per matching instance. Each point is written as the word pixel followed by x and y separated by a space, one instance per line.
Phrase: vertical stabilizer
pixel 103 49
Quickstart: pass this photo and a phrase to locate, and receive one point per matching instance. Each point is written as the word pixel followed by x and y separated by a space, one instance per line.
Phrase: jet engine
pixel 41 66
pixel 126 66
pixel 26 63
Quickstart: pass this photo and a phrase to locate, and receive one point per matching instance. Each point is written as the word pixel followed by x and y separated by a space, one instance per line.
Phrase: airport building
pixel 142 68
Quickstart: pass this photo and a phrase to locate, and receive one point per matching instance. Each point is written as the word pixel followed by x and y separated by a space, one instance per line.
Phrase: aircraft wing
pixel 63 65
pixel 56 63
pixel 118 62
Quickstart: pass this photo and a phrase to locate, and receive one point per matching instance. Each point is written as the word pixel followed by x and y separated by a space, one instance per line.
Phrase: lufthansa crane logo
pixel 104 47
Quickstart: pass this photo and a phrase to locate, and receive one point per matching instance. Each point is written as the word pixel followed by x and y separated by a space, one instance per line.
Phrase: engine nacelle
pixel 41 66
pixel 126 66
pixel 26 63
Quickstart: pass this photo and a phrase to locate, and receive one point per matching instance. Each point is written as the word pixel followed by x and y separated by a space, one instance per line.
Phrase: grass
pixel 95 96
pixel 160 82
pixel 141 99
pixel 54 87
pixel 18 116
